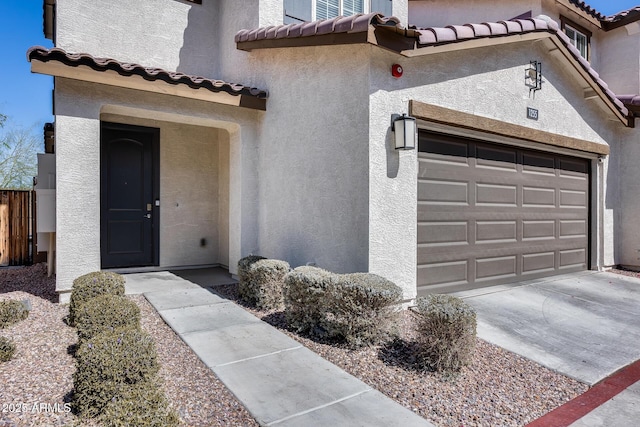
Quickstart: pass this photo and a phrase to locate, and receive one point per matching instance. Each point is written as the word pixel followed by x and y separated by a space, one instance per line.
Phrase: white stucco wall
pixel 79 107
pixel 313 168
pixel 619 62
pixel 169 34
pixel 439 13
pixel 627 202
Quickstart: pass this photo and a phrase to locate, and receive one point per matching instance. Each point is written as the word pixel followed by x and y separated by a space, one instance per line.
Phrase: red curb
pixel 597 395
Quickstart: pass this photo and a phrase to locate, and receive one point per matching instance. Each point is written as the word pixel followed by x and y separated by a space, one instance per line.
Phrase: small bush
pixel 358 308
pixel 447 332
pixel 141 405
pixel 261 282
pixel 105 313
pixel 12 312
pixel 109 363
pixel 92 285
pixel 245 263
pixel 304 299
pixel 7 349
pixel 364 308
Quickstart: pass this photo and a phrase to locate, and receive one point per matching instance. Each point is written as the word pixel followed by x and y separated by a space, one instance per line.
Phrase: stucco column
pixel 77 199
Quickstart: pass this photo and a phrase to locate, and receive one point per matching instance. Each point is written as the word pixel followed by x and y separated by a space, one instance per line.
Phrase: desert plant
pixel 261 282
pixel 92 285
pixel 7 349
pixel 109 363
pixel 357 308
pixel 142 405
pixel 364 308
pixel 105 313
pixel 304 299
pixel 447 332
pixel 11 312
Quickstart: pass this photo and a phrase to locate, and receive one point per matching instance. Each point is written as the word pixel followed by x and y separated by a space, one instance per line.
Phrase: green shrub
pixel 109 363
pixel 7 349
pixel 105 313
pixel 358 308
pixel 364 308
pixel 261 281
pixel 305 299
pixel 142 405
pixel 447 332
pixel 11 312
pixel 92 285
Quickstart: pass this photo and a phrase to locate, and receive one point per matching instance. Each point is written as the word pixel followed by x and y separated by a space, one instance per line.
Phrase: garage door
pixel 490 214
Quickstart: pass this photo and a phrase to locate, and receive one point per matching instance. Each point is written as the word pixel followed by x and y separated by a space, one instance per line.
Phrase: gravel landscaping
pixel 497 389
pixel 37 382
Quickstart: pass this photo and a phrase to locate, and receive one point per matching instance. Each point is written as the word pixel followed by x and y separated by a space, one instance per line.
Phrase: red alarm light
pixel 396 70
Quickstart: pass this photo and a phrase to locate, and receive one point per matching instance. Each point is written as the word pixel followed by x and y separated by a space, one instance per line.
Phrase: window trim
pixel 579 29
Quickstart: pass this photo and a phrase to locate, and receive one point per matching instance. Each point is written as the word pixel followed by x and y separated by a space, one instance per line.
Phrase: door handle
pixel 147 216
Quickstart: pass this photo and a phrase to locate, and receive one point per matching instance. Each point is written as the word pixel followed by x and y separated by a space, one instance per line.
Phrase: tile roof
pixel 148 73
pixel 621 18
pixel 416 38
pixel 588 9
pixel 349 24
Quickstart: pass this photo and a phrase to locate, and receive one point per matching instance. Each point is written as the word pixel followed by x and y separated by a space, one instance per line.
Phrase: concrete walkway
pixel 279 381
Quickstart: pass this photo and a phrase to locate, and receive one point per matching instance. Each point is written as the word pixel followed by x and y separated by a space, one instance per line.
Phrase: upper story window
pixel 579 36
pixel 327 9
pixel 310 10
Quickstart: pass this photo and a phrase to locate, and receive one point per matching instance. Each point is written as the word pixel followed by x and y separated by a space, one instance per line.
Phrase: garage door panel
pixel 434 233
pixel 573 258
pixel 496 232
pixel 573 228
pixel 538 196
pixel 431 191
pixel 452 273
pixel 496 268
pixel 509 213
pixel 573 198
pixel 540 262
pixel 496 194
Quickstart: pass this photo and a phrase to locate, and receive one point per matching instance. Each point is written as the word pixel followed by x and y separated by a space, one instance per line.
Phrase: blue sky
pixel 26 97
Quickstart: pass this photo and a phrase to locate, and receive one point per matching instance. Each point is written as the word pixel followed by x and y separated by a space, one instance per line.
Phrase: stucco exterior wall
pixel 438 13
pixel 628 202
pixel 79 107
pixel 620 59
pixel 313 150
pixel 168 34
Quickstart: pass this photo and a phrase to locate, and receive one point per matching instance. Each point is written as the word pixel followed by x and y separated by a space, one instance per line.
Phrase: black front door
pixel 129 191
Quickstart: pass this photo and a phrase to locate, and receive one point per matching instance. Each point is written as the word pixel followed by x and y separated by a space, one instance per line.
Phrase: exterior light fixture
pixel 533 76
pixel 405 131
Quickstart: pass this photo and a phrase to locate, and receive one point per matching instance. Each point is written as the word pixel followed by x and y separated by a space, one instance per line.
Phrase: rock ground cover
pixel 498 388
pixel 36 385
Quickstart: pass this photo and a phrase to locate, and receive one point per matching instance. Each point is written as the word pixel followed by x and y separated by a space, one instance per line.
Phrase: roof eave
pixel 112 78
pixel 593 90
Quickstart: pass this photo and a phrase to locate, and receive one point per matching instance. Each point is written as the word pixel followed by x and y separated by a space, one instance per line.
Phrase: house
pixel 248 129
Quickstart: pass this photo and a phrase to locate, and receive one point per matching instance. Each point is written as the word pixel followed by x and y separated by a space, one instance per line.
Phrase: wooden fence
pixel 16 226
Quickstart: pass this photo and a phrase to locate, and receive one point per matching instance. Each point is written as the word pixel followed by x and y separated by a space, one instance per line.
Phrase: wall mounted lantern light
pixel 533 76
pixel 405 131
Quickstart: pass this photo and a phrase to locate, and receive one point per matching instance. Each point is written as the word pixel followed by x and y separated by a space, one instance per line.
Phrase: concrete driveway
pixel 584 325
